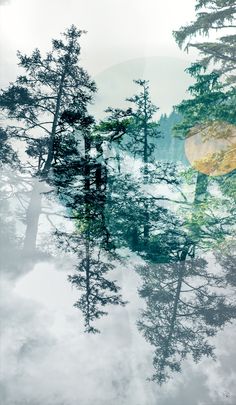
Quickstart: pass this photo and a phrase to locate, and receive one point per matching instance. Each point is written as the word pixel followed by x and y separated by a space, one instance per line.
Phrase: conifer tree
pixel 39 99
pixel 213 16
pixel 134 128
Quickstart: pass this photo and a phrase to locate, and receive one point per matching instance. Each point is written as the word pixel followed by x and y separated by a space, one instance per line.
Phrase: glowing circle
pixel 211 148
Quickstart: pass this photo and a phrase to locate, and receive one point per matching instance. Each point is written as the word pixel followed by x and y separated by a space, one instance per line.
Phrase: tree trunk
pixel 201 188
pixel 145 130
pixel 49 160
pixel 32 218
pixel 87 272
pixel 181 267
pixel 134 239
pixel 146 227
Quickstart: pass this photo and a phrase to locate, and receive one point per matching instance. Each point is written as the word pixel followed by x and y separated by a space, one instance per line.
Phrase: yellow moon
pixel 211 148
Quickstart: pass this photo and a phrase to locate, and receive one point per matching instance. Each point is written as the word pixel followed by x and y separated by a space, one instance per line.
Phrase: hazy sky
pixel 118 30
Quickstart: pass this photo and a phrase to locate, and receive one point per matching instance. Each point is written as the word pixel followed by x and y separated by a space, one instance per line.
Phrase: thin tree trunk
pixel 35 205
pixel 175 306
pixel 201 188
pixel 32 218
pixel 49 160
pixel 146 227
pixel 135 239
pixel 34 208
pixel 87 272
pixel 118 160
pixel 145 130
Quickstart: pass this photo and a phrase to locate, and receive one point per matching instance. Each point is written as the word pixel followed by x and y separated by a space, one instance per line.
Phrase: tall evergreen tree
pixel 213 16
pixel 143 128
pixel 187 302
pixel 208 102
pixel 134 128
pixel 50 87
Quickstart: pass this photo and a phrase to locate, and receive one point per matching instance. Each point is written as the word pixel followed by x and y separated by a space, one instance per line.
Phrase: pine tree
pixel 38 100
pixel 7 155
pixel 134 129
pixel 213 16
pixel 209 105
pixel 186 301
pixel 143 129
pixel 209 101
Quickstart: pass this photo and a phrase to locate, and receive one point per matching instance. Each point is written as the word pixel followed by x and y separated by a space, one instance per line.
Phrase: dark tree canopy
pixel 49 87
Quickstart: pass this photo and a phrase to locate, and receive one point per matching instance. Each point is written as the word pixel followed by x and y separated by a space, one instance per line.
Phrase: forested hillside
pixel 169 147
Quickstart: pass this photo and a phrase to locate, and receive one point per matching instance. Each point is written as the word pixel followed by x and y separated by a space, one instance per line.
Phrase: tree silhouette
pixel 81 183
pixel 209 104
pixel 50 87
pixel 98 290
pixel 92 273
pixel 186 302
pixel 185 307
pixel 212 16
pixel 134 128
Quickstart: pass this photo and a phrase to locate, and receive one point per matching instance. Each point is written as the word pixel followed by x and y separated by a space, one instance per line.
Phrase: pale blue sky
pixel 118 30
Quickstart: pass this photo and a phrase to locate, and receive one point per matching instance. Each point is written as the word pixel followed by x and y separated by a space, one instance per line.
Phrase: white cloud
pixel 48 360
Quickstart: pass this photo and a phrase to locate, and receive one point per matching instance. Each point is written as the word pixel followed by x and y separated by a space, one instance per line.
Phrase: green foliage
pixel 211 16
pixel 169 147
pixel 98 291
pixel 184 307
pixel 186 302
pixel 208 102
pixel 7 154
pixel 41 99
pixel 134 128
